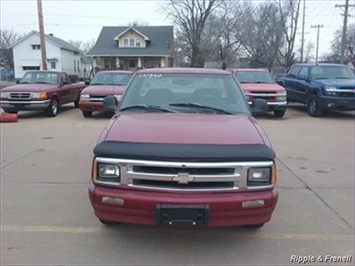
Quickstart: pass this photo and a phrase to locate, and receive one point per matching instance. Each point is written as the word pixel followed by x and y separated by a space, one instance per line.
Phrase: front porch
pixel 129 63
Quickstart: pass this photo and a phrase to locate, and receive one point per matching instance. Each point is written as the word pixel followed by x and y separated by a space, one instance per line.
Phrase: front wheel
pixel 279 113
pixel 76 102
pixel 87 113
pixel 52 109
pixel 108 223
pixel 253 226
pixel 313 107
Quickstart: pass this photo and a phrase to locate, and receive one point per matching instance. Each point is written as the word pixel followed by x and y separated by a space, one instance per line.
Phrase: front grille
pixel 20 95
pixel 175 185
pixel 266 95
pixel 188 176
pixel 177 170
pixel 348 92
pixel 97 98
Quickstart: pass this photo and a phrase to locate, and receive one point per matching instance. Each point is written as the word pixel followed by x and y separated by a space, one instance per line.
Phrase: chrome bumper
pixel 24 105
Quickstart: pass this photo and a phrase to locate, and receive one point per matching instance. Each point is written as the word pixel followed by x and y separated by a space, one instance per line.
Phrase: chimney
pixel 51 34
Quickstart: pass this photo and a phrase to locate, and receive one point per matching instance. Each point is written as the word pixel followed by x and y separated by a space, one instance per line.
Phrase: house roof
pixel 55 40
pixel 161 40
pixel 131 28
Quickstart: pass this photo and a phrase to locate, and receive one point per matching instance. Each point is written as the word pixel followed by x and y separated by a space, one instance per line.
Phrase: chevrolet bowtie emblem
pixel 183 178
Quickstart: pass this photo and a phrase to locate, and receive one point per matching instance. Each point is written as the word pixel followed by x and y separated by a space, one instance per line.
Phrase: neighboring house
pixel 132 48
pixel 61 56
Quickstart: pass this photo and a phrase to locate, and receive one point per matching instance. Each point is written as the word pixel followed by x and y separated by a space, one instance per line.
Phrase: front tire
pixel 254 226
pixel 87 113
pixel 52 109
pixel 313 107
pixel 279 113
pixel 108 223
pixel 76 102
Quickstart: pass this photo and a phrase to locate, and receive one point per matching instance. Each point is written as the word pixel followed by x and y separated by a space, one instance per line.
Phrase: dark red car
pixel 183 149
pixel 258 83
pixel 42 90
pixel 103 84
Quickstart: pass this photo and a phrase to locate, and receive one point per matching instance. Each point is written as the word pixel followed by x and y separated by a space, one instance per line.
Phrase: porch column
pixel 117 63
pixel 139 63
pixel 162 62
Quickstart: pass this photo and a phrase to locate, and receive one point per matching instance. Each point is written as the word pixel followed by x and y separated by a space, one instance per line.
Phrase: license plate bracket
pixel 182 214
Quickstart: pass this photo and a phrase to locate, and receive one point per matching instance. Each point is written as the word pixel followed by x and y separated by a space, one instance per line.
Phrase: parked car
pixel 103 84
pixel 258 83
pixel 42 90
pixel 321 87
pixel 183 149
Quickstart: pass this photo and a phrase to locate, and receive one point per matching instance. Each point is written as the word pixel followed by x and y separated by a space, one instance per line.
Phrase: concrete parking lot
pixel 46 217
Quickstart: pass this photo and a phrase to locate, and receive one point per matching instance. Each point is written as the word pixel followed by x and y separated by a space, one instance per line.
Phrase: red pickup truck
pixel 103 84
pixel 258 83
pixel 183 149
pixel 41 90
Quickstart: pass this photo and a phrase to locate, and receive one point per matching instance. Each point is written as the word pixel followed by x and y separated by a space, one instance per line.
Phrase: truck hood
pixel 337 82
pixel 103 90
pixel 182 128
pixel 30 88
pixel 261 87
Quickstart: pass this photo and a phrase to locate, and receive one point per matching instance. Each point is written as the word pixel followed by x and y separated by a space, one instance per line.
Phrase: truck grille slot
pixel 347 94
pixel 97 98
pixel 263 95
pixel 176 185
pixel 20 95
pixel 177 170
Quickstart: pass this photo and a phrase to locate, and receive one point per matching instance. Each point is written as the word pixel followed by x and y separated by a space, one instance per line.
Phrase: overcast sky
pixel 83 20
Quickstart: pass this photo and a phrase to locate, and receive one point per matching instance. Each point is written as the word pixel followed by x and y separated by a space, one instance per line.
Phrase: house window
pixel 110 63
pixel 138 43
pixel 132 63
pixel 125 42
pixel 36 47
pixel 30 68
pixel 131 42
pixel 76 53
pixel 77 63
pixel 53 65
pixel 74 66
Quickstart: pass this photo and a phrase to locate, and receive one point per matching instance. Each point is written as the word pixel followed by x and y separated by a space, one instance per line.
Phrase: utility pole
pixel 303 22
pixel 41 35
pixel 318 27
pixel 343 38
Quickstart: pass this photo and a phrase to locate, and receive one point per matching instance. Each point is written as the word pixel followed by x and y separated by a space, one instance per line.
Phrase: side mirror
pixel 87 82
pixel 259 107
pixel 110 104
pixel 17 81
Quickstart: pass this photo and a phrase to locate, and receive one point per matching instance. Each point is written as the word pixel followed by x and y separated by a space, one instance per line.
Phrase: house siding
pixel 24 56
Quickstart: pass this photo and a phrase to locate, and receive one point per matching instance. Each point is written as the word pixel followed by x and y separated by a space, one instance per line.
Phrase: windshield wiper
pixel 147 107
pixel 341 78
pixel 24 82
pixel 200 106
pixel 97 84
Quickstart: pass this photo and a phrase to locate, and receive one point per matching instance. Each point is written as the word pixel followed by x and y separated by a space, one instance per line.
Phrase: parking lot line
pixel 256 234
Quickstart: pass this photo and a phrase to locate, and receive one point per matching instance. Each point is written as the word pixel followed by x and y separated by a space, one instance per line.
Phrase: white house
pixel 61 56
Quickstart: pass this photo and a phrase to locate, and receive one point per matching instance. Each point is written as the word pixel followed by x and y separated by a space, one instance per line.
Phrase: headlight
pixel 108 172
pixel 281 97
pixel 4 95
pixel 39 95
pixel 330 90
pixel 259 176
pixel 84 96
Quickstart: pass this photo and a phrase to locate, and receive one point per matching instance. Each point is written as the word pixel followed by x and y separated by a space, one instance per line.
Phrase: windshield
pixel 254 77
pixel 215 93
pixel 331 72
pixel 40 78
pixel 119 79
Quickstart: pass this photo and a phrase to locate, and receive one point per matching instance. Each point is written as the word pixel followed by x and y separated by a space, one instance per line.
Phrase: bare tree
pixel 8 37
pixel 289 11
pixel 349 44
pixel 83 46
pixel 190 17
pixel 262 34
